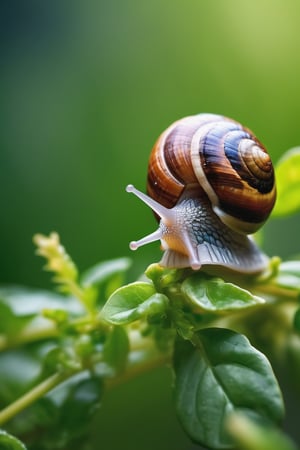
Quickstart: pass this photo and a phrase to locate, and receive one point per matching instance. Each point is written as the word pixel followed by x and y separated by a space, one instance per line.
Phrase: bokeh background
pixel 86 88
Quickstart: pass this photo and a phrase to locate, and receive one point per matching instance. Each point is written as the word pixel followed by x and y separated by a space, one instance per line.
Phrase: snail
pixel 211 183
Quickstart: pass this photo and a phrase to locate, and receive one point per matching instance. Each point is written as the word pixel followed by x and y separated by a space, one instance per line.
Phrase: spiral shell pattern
pixel 221 157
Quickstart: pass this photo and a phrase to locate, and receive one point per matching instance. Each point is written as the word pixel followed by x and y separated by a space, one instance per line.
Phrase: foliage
pixel 61 351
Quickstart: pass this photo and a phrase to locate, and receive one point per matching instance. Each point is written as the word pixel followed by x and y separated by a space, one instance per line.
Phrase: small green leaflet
pixel 214 294
pixel 8 442
pixel 116 348
pixel 219 375
pixel 132 302
pixel 288 184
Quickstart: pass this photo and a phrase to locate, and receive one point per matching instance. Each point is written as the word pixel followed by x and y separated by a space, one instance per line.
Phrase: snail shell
pixel 211 182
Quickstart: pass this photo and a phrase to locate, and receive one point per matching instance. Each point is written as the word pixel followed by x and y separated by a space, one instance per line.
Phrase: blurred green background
pixel 86 88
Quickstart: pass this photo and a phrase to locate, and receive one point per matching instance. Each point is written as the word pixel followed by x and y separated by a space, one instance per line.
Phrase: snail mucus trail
pixel 211 184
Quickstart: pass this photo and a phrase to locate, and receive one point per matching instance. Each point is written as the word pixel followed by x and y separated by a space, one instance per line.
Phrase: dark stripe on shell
pixel 257 180
pixel 239 192
pixel 161 195
pixel 252 212
pixel 241 181
pixel 215 165
pixel 177 152
pixel 177 146
pixel 170 168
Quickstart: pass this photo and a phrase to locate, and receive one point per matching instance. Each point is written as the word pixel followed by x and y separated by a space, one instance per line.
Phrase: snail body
pixel 211 183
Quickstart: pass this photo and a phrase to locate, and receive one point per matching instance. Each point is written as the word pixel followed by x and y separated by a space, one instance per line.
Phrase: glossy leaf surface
pixel 132 302
pixel 116 348
pixel 289 275
pixel 216 295
pixel 221 374
pixel 288 184
pixel 8 442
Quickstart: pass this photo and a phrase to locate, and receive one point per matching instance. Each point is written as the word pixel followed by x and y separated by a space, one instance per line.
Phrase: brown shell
pixel 225 159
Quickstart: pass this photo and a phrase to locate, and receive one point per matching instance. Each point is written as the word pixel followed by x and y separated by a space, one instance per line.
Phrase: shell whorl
pixel 224 159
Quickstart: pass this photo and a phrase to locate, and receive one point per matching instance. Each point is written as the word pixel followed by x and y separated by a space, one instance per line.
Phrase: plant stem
pixel 34 394
pixel 80 294
pixel 277 291
pixel 144 357
pixel 28 335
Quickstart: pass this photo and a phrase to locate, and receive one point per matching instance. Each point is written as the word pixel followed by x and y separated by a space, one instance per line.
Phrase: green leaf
pixel 116 348
pixel 107 276
pixel 21 368
pixel 80 405
pixel 290 267
pixel 288 184
pixel 76 402
pixel 24 301
pixel 59 316
pixel 22 307
pixel 215 295
pixel 221 374
pixel 289 275
pixel 249 435
pixel 10 324
pixel 32 423
pixel 61 419
pixel 297 320
pixel 8 442
pixel 132 302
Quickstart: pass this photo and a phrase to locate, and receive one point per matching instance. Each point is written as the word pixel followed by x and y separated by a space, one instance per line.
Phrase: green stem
pixel 80 294
pixel 30 397
pixel 279 292
pixel 50 330
pixel 149 358
pixel 29 335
